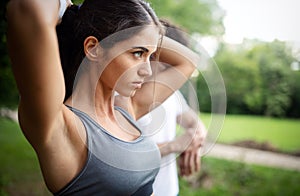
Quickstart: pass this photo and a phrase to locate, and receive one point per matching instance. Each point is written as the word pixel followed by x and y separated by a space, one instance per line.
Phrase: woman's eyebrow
pixel 142 48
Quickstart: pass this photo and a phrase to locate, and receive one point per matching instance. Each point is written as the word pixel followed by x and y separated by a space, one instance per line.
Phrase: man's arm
pixel 189 160
pixel 187 144
pixel 193 137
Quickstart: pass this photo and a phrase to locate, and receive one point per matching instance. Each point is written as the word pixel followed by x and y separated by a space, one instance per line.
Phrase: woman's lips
pixel 137 84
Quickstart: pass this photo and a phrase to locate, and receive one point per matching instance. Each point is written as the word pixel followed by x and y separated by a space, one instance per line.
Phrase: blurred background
pixel 256 46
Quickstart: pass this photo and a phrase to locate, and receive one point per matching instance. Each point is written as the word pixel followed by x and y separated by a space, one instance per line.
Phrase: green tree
pixel 259 79
pixel 77 1
pixel 294 109
pixel 201 16
pixel 8 90
pixel 242 81
pixel 274 60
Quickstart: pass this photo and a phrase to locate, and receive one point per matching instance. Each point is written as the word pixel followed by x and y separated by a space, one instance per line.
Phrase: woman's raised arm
pixel 33 49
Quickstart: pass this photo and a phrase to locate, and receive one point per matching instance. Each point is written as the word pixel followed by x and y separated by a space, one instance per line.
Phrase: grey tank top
pixel 114 167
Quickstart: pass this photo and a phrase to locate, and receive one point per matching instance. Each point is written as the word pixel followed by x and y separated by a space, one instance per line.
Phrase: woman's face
pixel 128 70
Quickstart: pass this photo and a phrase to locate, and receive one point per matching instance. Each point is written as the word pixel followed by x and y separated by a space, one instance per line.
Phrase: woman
pixel 84 144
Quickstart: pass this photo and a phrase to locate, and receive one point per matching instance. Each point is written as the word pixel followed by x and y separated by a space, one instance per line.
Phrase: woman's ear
pixel 91 48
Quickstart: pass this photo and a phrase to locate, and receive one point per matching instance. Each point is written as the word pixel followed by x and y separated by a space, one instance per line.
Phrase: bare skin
pixel 55 133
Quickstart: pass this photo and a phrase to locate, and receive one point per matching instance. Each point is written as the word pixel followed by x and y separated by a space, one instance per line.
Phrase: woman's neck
pixel 93 98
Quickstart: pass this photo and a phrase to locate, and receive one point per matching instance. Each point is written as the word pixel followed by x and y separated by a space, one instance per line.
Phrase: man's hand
pixel 189 160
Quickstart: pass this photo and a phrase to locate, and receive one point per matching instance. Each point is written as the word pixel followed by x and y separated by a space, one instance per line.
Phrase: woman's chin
pixel 132 93
pixel 127 94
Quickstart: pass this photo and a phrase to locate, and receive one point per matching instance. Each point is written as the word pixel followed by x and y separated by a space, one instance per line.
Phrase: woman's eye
pixel 138 54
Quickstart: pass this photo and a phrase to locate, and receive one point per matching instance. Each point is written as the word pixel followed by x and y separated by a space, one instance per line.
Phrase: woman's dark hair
pixel 98 18
pixel 173 31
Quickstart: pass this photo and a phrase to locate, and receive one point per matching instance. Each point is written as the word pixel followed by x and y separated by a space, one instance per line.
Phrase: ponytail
pixel 68 47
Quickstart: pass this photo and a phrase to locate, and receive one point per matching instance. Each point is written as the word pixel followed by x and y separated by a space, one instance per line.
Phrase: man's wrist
pixel 174 147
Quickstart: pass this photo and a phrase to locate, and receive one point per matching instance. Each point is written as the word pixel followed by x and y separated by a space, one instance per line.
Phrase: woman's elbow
pixel 18 8
pixel 35 11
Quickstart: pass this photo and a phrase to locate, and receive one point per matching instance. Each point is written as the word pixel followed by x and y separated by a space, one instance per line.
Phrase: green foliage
pixel 8 90
pixel 201 16
pixel 294 108
pixel 9 94
pixel 274 61
pixel 77 1
pixel 241 81
pixel 203 95
pixel 258 78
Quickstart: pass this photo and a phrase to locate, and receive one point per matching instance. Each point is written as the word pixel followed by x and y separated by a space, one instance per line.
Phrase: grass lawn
pixel 281 133
pixel 222 178
pixel 19 169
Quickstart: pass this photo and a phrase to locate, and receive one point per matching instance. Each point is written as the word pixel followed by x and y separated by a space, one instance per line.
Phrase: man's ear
pixel 91 48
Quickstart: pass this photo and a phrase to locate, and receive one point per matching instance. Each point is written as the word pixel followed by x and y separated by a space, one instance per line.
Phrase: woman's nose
pixel 145 70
